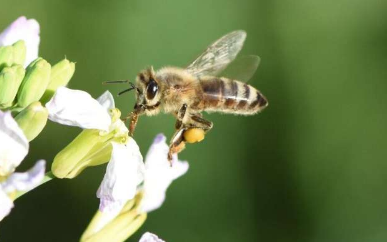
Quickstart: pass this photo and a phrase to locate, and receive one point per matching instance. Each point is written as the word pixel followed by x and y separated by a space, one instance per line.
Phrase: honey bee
pixel 187 92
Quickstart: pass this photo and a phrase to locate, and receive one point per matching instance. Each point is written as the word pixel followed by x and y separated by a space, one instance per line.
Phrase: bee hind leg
pixel 177 144
pixel 177 141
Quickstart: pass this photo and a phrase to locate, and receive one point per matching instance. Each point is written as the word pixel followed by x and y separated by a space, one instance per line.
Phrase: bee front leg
pixel 132 123
pixel 133 118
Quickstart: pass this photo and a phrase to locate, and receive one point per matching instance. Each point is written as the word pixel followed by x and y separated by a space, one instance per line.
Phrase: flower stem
pixel 47 177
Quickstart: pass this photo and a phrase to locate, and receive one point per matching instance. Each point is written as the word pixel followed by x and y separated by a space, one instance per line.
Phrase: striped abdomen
pixel 229 96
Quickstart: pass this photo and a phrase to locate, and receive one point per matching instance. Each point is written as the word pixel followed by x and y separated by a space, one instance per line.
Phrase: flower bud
pixel 32 120
pixel 61 74
pixel 34 83
pixel 19 52
pixel 193 135
pixel 89 148
pixel 10 80
pixel 6 58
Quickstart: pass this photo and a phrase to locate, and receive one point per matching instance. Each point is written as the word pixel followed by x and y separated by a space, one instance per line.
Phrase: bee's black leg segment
pixel 177 142
pixel 181 113
pixel 180 116
pixel 199 122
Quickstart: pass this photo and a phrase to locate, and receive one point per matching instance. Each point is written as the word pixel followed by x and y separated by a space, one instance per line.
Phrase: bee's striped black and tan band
pixel 231 95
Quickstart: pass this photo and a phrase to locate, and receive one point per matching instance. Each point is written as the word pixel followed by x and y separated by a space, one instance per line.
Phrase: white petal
pixel 13 144
pixel 106 100
pixel 149 237
pixel 123 174
pixel 23 29
pixel 77 108
pixel 25 181
pixel 159 174
pixel 6 204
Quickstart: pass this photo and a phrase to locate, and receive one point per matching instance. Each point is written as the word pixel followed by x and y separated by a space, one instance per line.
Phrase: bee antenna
pixel 132 86
pixel 114 82
pixel 126 90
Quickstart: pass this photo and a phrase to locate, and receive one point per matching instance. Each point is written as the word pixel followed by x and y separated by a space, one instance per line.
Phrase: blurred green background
pixel 311 167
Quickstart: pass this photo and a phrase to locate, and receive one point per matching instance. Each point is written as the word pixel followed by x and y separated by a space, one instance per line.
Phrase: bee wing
pixel 218 55
pixel 242 69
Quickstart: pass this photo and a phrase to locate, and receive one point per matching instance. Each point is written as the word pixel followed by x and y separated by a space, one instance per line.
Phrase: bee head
pixel 148 90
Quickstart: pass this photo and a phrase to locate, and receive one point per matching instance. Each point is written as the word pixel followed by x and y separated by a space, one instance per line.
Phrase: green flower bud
pixel 10 80
pixel 61 74
pixel 124 225
pixel 32 120
pixel 34 83
pixel 89 148
pixel 6 56
pixel 19 52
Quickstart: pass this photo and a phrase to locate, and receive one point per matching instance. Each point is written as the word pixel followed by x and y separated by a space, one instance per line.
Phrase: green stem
pixel 47 177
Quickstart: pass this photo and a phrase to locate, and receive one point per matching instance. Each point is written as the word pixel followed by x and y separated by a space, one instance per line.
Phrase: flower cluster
pixel 26 81
pixel 32 92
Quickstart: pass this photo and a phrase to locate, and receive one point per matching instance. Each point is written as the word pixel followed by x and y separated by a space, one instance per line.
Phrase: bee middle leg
pixel 198 122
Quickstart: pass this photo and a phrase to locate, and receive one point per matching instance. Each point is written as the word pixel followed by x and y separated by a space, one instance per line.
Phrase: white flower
pixel 119 216
pixel 13 144
pixel 159 174
pixel 19 182
pixel 125 169
pixel 13 149
pixel 124 173
pixel 25 181
pixel 149 237
pixel 78 108
pixel 23 29
pixel 121 176
pixel 6 204
pixel 102 124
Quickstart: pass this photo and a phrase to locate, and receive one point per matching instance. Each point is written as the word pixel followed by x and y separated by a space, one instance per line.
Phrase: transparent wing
pixel 242 69
pixel 218 55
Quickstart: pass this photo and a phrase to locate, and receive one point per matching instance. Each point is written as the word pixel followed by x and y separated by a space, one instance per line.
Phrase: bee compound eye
pixel 151 89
